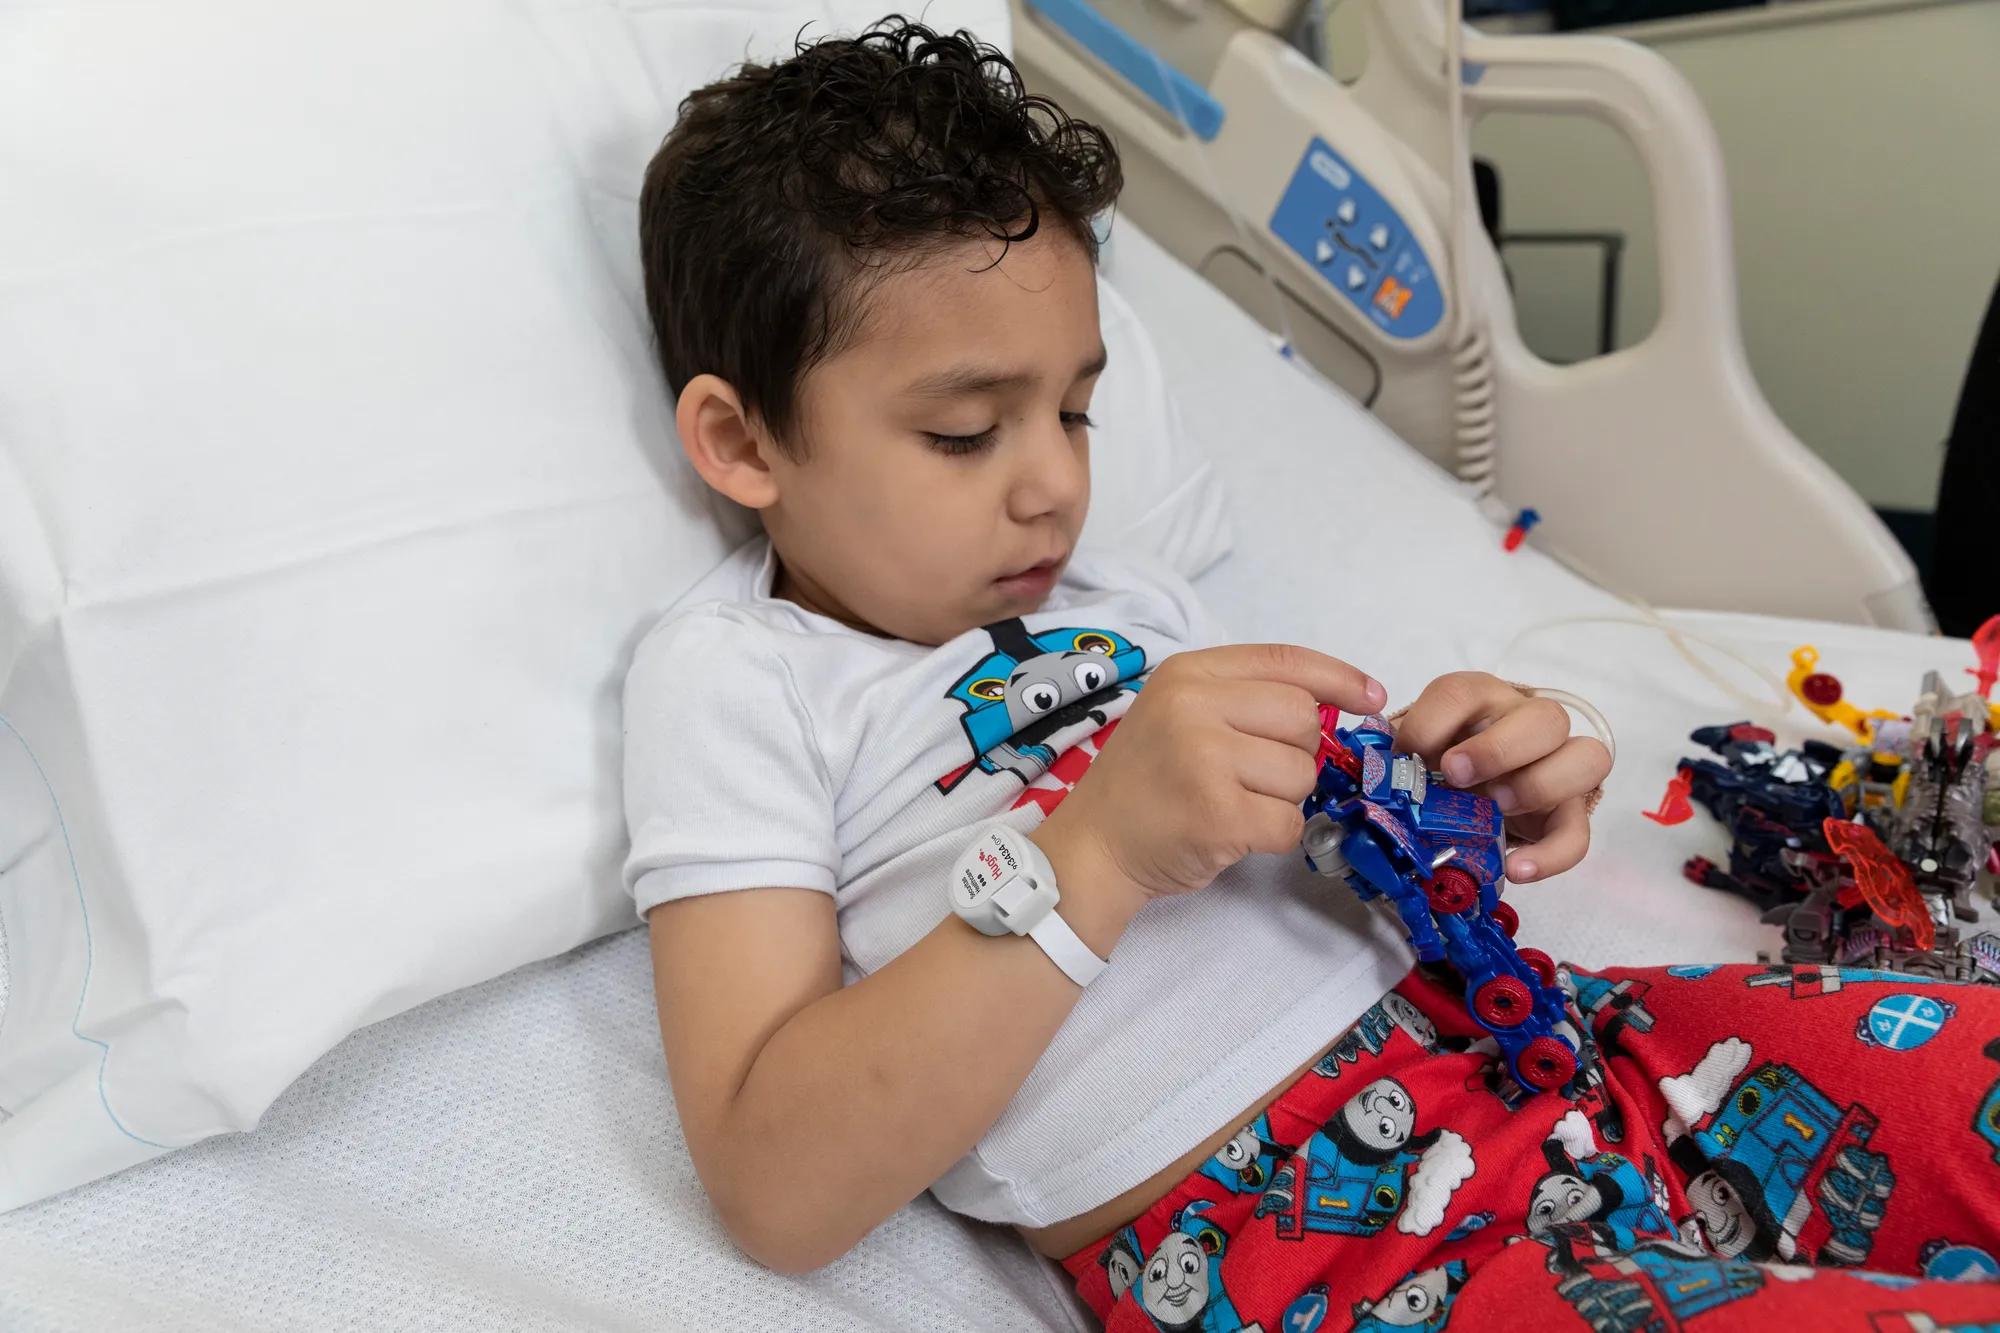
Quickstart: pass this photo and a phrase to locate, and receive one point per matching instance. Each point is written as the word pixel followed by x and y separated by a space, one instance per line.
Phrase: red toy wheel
pixel 1545 1063
pixel 1503 1002
pixel 1820 688
pixel 1505 917
pixel 1452 890
pixel 1541 965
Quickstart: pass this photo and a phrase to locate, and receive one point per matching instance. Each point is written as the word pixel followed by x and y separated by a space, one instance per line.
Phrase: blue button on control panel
pixel 1337 222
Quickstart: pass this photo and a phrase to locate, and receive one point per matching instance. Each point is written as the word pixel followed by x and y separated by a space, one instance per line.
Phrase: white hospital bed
pixel 508 1157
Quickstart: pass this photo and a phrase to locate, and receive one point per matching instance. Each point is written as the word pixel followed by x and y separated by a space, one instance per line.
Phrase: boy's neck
pixel 803 591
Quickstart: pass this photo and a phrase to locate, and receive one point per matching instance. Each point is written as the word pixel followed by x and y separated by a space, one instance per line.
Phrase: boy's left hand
pixel 1481 732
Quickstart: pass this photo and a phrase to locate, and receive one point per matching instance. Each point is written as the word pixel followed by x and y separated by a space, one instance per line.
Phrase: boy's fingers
pixel 1449 707
pixel 1327 679
pixel 1565 838
pixel 1272 711
pixel 1579 766
pixel 1275 769
pixel 1535 729
pixel 1273 826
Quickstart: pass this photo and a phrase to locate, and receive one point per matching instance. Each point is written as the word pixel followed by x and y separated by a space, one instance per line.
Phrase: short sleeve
pixel 725 786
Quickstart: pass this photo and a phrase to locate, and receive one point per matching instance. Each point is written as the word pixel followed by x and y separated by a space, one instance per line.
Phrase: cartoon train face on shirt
pixel 1033 686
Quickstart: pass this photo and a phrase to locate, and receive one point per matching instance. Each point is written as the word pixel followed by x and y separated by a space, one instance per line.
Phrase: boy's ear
pixel 728 448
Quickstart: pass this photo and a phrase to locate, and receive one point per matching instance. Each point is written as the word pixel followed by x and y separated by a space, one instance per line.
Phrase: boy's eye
pixel 961 444
pixel 1072 420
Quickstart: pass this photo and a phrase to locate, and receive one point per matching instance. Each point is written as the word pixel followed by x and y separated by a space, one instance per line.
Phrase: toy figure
pixel 1396 831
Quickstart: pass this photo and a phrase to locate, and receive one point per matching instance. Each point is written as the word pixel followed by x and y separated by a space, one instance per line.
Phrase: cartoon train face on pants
pixel 1780 1169
pixel 1180 1288
pixel 1604 1194
pixel 1422 1300
pixel 1244 1164
pixel 1353 1175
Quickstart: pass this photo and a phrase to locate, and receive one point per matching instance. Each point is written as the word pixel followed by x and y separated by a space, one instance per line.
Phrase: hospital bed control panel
pixel 1337 222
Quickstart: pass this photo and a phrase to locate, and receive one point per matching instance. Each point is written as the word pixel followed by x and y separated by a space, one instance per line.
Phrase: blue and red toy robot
pixel 1434 852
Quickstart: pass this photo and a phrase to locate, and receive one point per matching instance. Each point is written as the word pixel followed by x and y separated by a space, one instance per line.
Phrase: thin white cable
pixel 1776 706
pixel 1598 722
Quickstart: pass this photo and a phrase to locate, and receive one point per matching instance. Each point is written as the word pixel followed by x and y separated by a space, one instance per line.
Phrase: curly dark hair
pixel 785 189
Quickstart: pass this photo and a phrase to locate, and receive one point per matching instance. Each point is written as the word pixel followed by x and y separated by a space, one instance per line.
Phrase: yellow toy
pixel 1822 696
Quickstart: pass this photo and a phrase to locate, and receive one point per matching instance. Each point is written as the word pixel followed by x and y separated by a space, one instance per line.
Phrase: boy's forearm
pixel 867 1095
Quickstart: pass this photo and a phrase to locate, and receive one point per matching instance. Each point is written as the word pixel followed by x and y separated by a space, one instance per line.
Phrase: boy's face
pixel 946 468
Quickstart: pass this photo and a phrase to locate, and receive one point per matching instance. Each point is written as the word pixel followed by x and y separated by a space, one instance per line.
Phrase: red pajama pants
pixel 1794 1148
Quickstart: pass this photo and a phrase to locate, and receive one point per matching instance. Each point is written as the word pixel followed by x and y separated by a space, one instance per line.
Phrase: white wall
pixel 1862 144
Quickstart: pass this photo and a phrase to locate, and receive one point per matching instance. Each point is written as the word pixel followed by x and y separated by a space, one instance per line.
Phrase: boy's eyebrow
pixel 962 380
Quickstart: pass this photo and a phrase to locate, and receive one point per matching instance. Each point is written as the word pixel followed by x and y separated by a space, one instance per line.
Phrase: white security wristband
pixel 1004 884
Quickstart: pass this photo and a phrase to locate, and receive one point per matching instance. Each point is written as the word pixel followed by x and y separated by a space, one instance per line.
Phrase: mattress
pixel 508 1155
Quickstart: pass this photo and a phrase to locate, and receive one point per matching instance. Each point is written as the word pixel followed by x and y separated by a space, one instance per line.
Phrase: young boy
pixel 870 268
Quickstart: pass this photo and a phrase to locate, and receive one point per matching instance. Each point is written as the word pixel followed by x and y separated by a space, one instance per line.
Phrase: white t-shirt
pixel 766 745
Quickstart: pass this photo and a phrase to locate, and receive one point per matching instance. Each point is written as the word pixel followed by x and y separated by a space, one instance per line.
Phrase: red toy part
pixel 1503 1002
pixel 1822 689
pixel 1343 758
pixel 1541 965
pixel 1675 807
pixel 1545 1063
pixel 1884 881
pixel 1452 890
pixel 1986 643
pixel 1509 920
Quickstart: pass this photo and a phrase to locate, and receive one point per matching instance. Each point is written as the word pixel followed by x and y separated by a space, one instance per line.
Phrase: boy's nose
pixel 1055 471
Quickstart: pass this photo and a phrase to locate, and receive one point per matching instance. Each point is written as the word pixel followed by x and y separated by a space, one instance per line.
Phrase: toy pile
pixel 1878 854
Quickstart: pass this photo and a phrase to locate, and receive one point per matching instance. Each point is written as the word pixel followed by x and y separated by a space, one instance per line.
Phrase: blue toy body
pixel 1435 854
pixel 1770 809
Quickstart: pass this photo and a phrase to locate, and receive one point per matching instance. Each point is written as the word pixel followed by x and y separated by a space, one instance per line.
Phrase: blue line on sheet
pixel 103 1047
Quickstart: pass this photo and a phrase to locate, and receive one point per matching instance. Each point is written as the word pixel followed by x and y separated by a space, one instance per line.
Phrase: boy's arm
pixel 813 1111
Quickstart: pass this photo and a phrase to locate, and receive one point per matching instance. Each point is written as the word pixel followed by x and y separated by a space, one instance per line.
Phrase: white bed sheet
pixel 508 1156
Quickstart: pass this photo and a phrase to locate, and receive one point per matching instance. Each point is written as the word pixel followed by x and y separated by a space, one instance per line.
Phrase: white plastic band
pixel 1066 949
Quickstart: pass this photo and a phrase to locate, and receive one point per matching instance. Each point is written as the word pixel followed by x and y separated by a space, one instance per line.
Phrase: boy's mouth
pixel 1035 579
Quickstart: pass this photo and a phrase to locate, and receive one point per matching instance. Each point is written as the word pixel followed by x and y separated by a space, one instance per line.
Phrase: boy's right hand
pixel 1211 763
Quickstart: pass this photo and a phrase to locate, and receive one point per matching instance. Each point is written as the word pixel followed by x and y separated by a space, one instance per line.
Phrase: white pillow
pixel 336 483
